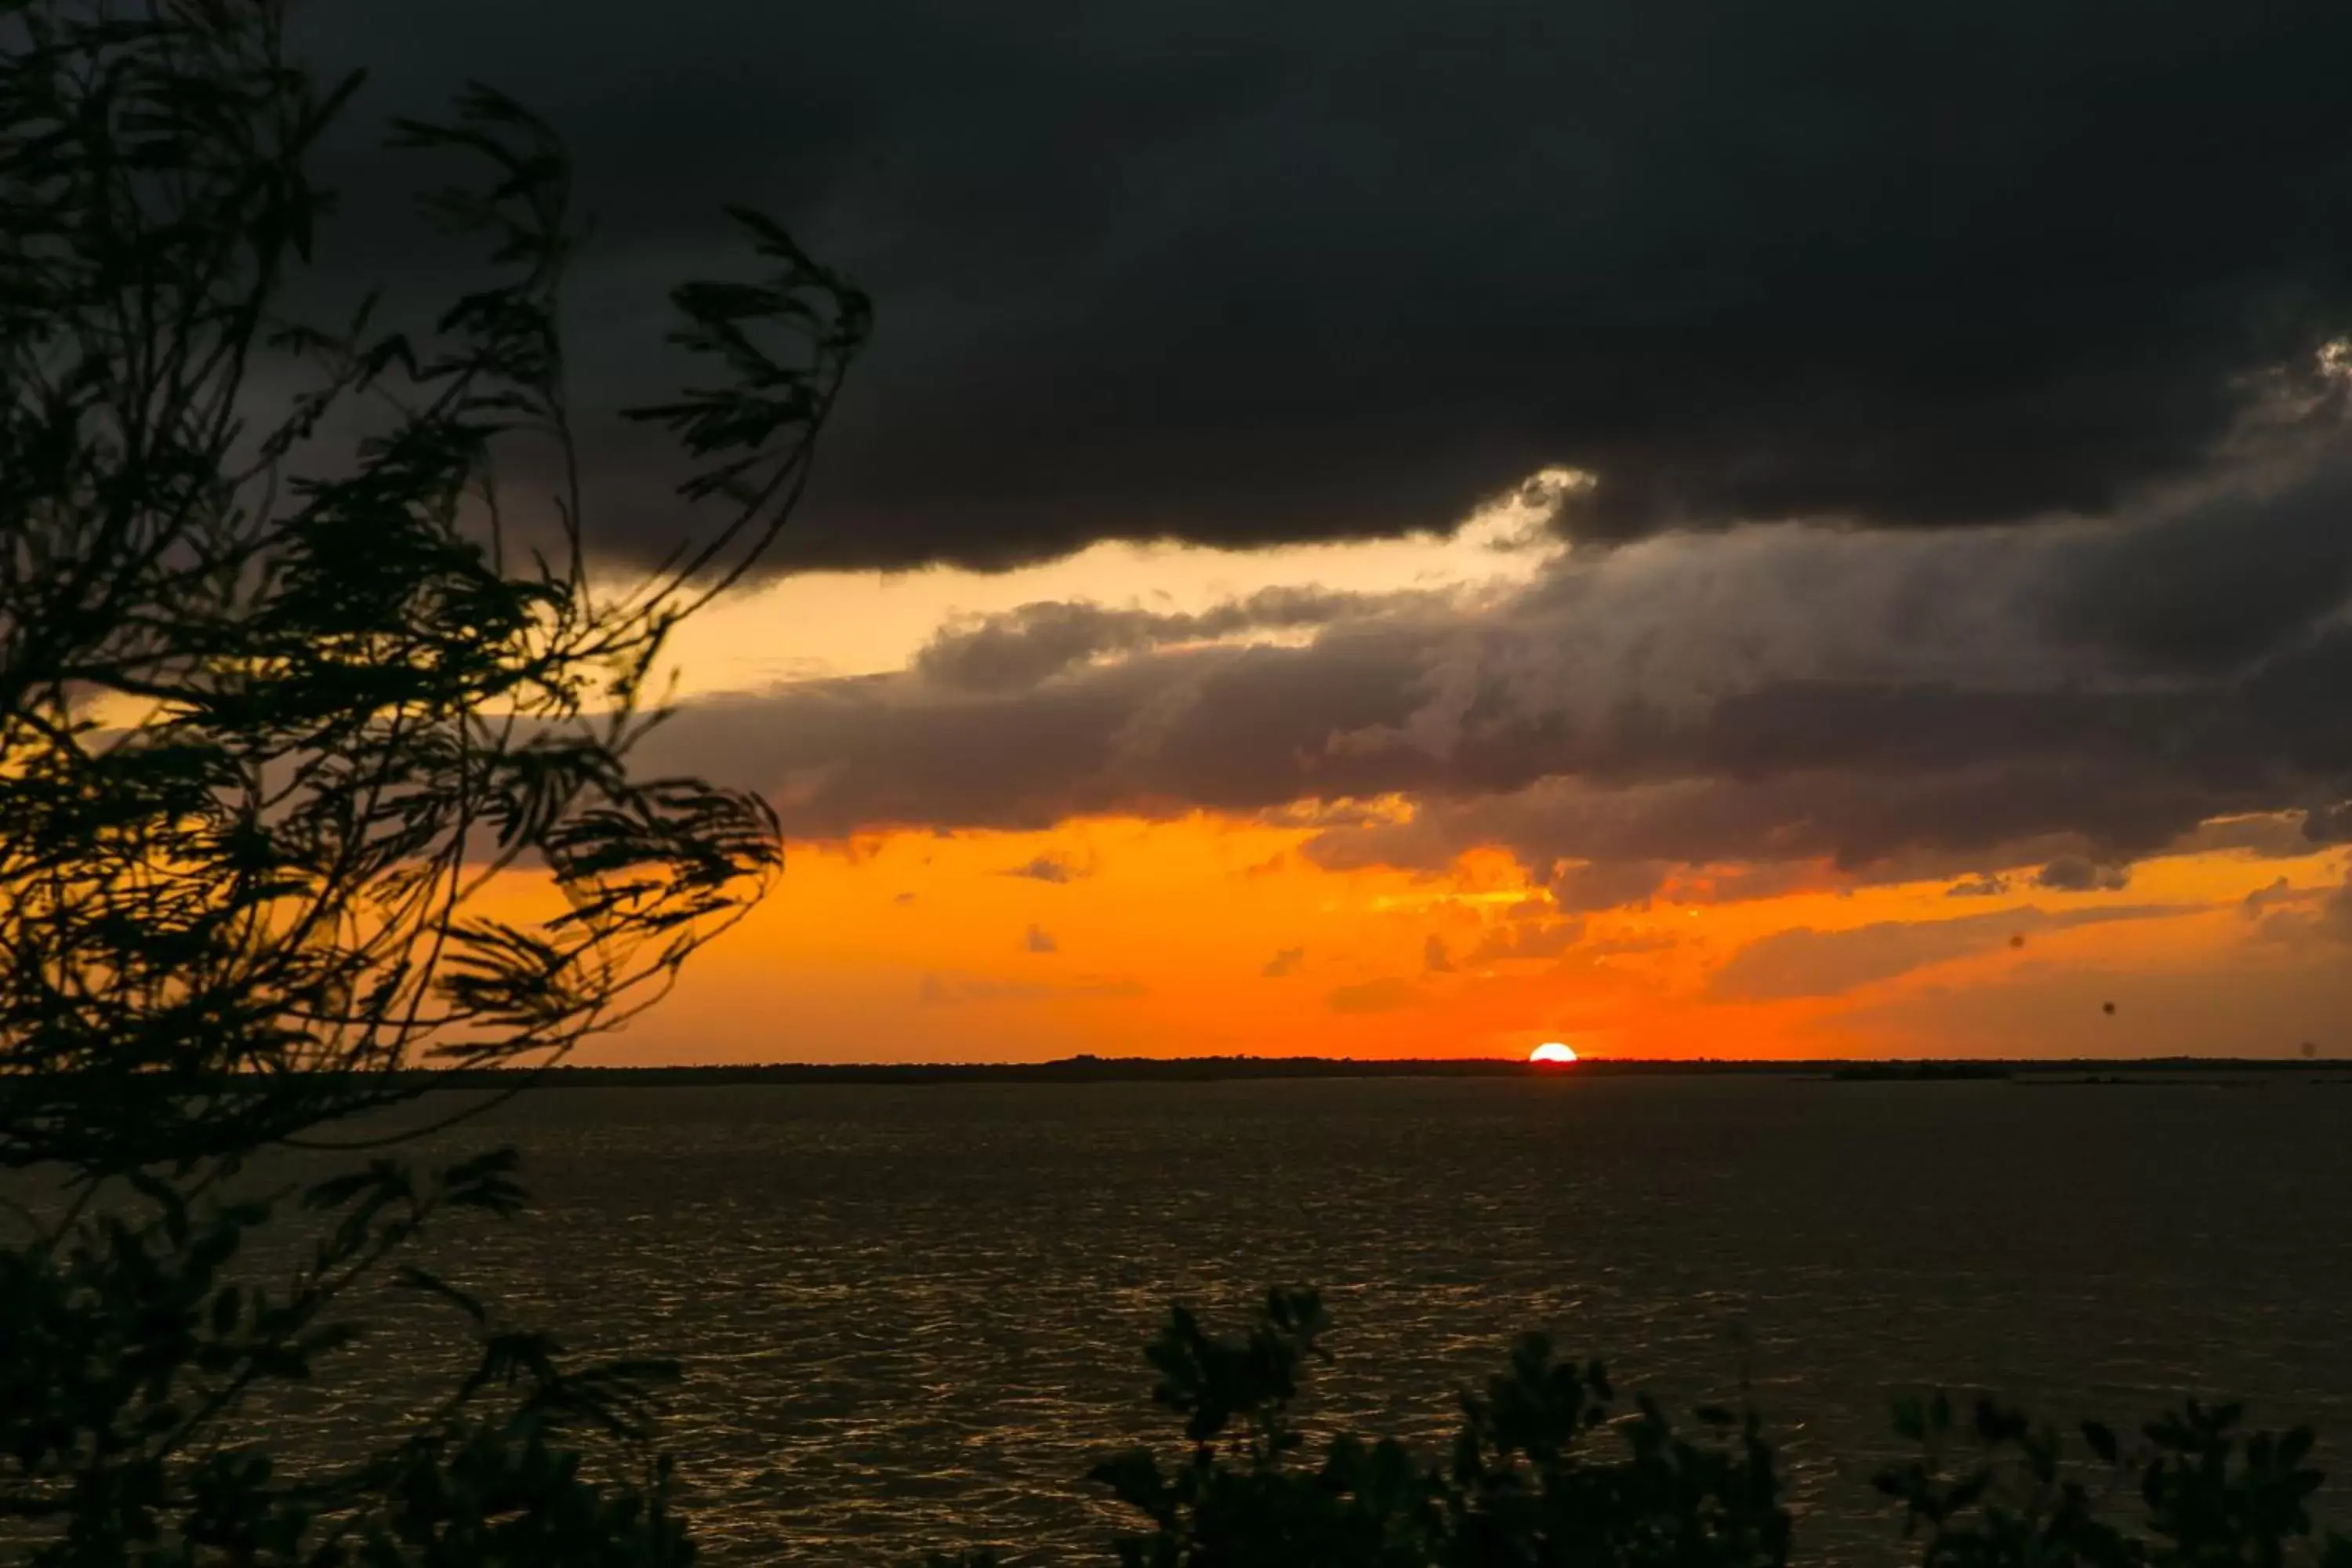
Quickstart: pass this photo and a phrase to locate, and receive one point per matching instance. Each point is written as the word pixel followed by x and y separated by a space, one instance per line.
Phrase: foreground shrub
pixel 1550 1468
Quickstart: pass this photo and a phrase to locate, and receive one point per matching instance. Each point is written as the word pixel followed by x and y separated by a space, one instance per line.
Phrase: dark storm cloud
pixel 1241 273
pixel 2219 580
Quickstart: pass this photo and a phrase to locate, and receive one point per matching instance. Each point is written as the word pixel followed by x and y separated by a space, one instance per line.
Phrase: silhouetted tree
pixel 275 710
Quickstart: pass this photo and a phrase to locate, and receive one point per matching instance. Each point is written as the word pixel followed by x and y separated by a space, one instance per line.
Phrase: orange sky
pixel 1210 936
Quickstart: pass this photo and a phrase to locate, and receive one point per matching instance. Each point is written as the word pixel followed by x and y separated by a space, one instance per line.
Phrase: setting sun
pixel 1551 1051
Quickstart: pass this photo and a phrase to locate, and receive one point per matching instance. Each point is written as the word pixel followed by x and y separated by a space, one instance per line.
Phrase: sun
pixel 1551 1051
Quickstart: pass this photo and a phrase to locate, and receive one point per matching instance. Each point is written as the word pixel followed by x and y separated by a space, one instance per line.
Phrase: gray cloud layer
pixel 1897 705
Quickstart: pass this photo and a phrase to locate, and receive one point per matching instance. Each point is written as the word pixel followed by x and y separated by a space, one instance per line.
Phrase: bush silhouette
pixel 1549 1469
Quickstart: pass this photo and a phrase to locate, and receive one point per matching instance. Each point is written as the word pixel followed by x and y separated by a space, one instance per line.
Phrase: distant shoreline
pixel 1218 1069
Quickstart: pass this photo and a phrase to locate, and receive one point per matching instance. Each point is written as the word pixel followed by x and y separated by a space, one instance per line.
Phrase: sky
pixel 1694 528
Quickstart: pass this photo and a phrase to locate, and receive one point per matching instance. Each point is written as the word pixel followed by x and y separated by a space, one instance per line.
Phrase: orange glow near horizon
pixel 1207 935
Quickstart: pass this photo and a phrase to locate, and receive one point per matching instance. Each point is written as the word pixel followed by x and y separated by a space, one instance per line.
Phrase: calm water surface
pixel 910 1315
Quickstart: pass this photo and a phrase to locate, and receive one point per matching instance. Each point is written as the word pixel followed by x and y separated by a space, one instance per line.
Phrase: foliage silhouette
pixel 1547 1471
pixel 2211 1493
pixel 1527 1481
pixel 287 680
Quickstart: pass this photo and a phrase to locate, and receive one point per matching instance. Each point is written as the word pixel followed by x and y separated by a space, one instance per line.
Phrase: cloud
pixel 1526 940
pixel 1631 945
pixel 1885 706
pixel 2079 874
pixel 1610 844
pixel 2217 580
pixel 1803 962
pixel 1037 642
pixel 2335 913
pixel 1048 868
pixel 2280 892
pixel 1190 272
pixel 2274 835
pixel 1606 885
pixel 946 991
pixel 2300 916
pixel 1980 887
pixel 1389 994
pixel 1434 958
pixel 1038 939
pixel 1284 963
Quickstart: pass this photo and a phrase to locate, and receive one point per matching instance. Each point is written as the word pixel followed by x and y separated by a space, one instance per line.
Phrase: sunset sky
pixel 1687 528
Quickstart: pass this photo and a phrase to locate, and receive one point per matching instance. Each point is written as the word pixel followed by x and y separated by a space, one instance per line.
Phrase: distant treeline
pixel 1214 1069
pixel 1230 1069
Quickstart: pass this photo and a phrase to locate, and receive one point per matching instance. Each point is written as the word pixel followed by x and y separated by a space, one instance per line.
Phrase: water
pixel 911 1315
